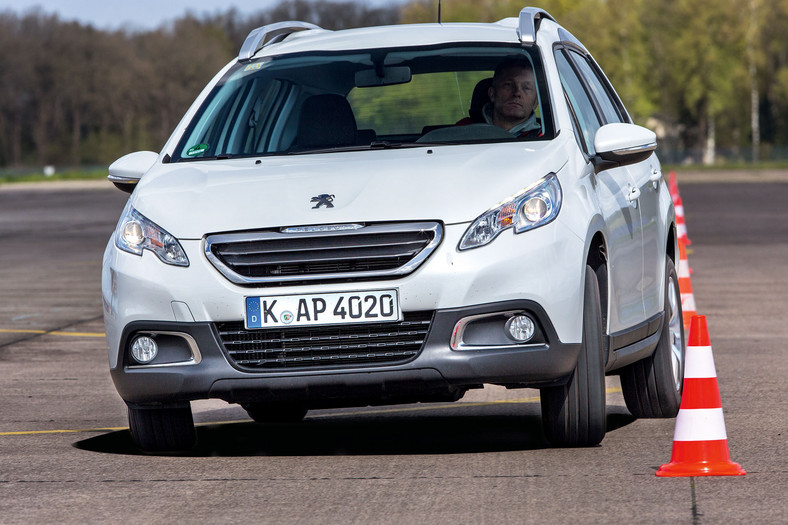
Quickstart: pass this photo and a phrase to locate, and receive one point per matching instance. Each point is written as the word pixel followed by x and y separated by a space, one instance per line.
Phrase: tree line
pixel 710 76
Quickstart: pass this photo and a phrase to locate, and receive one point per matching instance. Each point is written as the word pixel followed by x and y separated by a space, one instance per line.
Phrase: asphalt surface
pixel 66 455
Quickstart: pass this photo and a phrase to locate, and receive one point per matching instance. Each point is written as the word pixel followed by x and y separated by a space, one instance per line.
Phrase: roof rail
pixel 267 34
pixel 529 22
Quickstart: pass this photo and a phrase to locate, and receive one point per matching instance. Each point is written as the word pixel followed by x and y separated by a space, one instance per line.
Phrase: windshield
pixel 371 99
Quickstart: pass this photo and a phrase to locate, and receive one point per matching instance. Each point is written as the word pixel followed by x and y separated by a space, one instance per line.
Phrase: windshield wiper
pixel 221 156
pixel 375 144
pixel 326 150
pixel 384 144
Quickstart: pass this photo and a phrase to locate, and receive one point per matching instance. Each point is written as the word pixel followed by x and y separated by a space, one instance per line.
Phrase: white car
pixel 339 220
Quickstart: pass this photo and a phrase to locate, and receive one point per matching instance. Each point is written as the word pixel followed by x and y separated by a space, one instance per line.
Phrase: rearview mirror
pixel 621 145
pixel 391 76
pixel 127 171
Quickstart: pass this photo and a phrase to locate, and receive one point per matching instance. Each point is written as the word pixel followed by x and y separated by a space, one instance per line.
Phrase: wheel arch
pixel 596 258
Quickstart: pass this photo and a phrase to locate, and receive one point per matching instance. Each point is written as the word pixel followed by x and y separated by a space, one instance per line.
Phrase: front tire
pixel 573 415
pixel 160 429
pixel 652 387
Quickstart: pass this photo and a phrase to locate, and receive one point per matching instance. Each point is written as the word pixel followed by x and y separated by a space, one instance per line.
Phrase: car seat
pixel 326 121
pixel 479 98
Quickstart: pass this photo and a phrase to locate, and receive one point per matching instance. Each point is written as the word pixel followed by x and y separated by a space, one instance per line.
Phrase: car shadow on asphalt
pixel 362 435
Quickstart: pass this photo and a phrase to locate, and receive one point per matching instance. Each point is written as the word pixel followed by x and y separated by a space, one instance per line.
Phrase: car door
pixel 614 190
pixel 645 176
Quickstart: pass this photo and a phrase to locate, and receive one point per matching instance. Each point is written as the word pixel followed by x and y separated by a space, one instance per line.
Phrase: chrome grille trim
pixel 322 254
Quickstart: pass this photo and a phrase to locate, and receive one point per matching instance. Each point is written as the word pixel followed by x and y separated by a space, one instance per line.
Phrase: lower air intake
pixel 325 346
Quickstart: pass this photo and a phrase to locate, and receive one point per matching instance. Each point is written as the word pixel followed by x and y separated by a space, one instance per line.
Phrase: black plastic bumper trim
pixel 437 370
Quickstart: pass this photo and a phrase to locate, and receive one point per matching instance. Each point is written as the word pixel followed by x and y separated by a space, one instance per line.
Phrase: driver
pixel 513 98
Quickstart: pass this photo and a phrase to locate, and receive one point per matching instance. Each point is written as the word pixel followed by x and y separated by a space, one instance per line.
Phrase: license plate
pixel 322 309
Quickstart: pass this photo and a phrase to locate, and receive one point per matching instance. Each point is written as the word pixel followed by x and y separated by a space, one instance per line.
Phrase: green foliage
pixel 37 176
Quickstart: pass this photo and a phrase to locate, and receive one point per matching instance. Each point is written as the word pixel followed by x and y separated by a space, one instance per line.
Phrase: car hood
pixel 452 184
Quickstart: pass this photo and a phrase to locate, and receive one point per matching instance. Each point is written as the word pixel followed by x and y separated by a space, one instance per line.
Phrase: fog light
pixel 520 327
pixel 144 349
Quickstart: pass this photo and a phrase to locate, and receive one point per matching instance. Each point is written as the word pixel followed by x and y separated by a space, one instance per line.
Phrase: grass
pixel 71 174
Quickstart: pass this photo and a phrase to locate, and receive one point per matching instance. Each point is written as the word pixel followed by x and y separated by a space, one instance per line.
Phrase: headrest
pixel 326 121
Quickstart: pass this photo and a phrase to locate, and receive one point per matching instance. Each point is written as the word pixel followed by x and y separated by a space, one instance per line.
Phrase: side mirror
pixel 621 145
pixel 127 171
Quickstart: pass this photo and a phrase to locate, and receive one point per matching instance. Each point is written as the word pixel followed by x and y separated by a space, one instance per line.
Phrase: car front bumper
pixel 538 272
pixel 437 369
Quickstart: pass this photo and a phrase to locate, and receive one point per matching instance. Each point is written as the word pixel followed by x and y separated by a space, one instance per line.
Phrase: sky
pixel 139 14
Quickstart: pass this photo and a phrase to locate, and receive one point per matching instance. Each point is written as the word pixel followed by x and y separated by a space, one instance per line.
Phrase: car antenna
pixel 439 11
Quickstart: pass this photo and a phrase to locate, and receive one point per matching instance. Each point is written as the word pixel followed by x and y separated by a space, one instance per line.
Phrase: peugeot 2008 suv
pixel 339 220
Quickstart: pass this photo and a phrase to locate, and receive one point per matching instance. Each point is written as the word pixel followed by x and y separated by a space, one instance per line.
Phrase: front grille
pixel 325 346
pixel 326 253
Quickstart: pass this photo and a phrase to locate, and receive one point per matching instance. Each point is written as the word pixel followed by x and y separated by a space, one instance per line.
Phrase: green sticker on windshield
pixel 196 150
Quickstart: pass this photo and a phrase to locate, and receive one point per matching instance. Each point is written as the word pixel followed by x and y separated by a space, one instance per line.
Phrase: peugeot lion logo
pixel 323 200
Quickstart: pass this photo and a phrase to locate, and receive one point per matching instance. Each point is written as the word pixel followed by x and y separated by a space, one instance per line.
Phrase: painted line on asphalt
pixel 55 332
pixel 74 431
pixel 534 399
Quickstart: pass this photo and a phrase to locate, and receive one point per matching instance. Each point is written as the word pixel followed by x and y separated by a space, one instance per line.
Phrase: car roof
pixel 296 37
pixel 391 36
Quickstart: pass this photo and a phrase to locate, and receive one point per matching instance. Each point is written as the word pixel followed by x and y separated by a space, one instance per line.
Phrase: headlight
pixel 136 233
pixel 535 206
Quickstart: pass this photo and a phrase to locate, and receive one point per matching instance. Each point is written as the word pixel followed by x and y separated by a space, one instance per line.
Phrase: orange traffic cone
pixel 700 444
pixel 688 307
pixel 681 224
pixel 673 186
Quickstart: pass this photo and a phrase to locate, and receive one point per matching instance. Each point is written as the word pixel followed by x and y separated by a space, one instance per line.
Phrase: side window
pixel 602 95
pixel 583 108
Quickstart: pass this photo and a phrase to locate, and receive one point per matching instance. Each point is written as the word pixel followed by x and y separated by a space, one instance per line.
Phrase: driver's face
pixel 513 96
